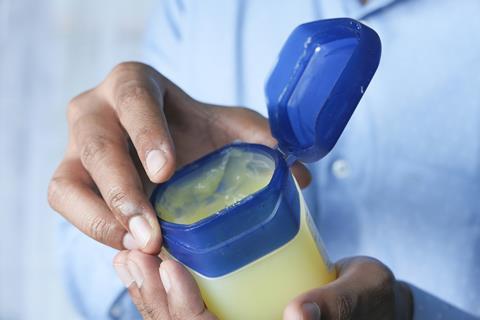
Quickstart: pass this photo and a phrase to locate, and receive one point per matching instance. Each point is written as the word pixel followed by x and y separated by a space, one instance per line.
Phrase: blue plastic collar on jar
pixel 322 72
pixel 241 233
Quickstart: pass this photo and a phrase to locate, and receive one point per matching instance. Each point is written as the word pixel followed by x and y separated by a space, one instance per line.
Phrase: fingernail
pixel 141 230
pixel 123 274
pixel 155 161
pixel 136 273
pixel 165 278
pixel 129 242
pixel 311 311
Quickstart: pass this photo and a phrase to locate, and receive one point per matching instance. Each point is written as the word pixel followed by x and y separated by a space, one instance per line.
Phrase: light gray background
pixel 50 50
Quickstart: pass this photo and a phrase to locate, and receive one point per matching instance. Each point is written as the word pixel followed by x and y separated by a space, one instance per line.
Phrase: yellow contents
pixel 262 289
pixel 220 183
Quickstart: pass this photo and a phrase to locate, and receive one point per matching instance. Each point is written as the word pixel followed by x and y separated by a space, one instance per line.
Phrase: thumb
pixel 160 290
pixel 139 273
pixel 362 289
pixel 183 294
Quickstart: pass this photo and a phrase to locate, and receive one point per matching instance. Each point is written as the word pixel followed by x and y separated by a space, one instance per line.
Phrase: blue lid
pixel 242 233
pixel 321 74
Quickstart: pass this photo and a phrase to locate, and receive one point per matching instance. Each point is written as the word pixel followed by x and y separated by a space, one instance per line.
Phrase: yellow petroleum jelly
pixel 216 185
pixel 261 289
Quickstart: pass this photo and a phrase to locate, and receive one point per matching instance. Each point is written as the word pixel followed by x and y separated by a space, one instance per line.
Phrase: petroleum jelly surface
pixel 219 183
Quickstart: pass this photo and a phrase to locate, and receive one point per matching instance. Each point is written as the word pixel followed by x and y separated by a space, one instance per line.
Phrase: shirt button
pixel 341 169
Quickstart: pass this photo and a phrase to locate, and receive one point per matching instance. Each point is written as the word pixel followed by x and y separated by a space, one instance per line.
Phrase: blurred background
pixel 50 51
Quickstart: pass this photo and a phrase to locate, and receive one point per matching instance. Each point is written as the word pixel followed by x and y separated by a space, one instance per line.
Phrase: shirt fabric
pixel 403 182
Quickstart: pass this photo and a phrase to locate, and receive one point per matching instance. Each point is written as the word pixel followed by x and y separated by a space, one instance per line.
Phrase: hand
pixel 160 290
pixel 365 289
pixel 131 131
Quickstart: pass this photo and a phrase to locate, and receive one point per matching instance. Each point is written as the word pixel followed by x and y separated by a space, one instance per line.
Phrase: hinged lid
pixel 320 76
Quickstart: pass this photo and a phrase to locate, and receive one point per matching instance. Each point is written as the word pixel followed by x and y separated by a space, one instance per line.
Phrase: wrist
pixel 403 301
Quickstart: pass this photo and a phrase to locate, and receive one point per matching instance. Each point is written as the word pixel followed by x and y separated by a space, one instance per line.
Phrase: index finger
pixel 104 154
pixel 71 193
pixel 136 93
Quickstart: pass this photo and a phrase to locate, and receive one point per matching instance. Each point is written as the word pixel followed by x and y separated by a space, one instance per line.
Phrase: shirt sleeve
pixel 429 307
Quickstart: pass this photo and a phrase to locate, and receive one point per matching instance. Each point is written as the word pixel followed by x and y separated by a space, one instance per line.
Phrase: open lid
pixel 320 76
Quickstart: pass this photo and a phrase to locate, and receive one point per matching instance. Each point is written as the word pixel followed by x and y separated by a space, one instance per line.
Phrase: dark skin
pixel 132 131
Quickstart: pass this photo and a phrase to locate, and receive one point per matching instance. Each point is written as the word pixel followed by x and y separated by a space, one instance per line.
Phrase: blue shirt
pixel 403 182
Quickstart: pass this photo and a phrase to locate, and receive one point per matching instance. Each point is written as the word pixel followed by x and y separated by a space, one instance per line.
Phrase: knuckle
pixel 99 229
pixel 379 293
pixel 144 136
pixel 383 291
pixel 386 279
pixel 148 312
pixel 129 70
pixel 75 106
pixel 125 66
pixel 73 109
pixel 94 150
pixel 344 305
pixel 128 66
pixel 56 188
pixel 116 198
pixel 383 275
pixel 131 95
pixel 121 67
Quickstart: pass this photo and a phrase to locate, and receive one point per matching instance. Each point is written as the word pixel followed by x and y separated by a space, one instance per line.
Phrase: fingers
pixel 139 273
pixel 364 289
pixel 128 106
pixel 184 299
pixel 104 154
pixel 301 174
pixel 70 193
pixel 160 291
pixel 137 98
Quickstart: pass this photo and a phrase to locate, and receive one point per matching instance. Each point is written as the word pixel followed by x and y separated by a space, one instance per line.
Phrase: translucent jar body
pixel 251 257
pixel 262 289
